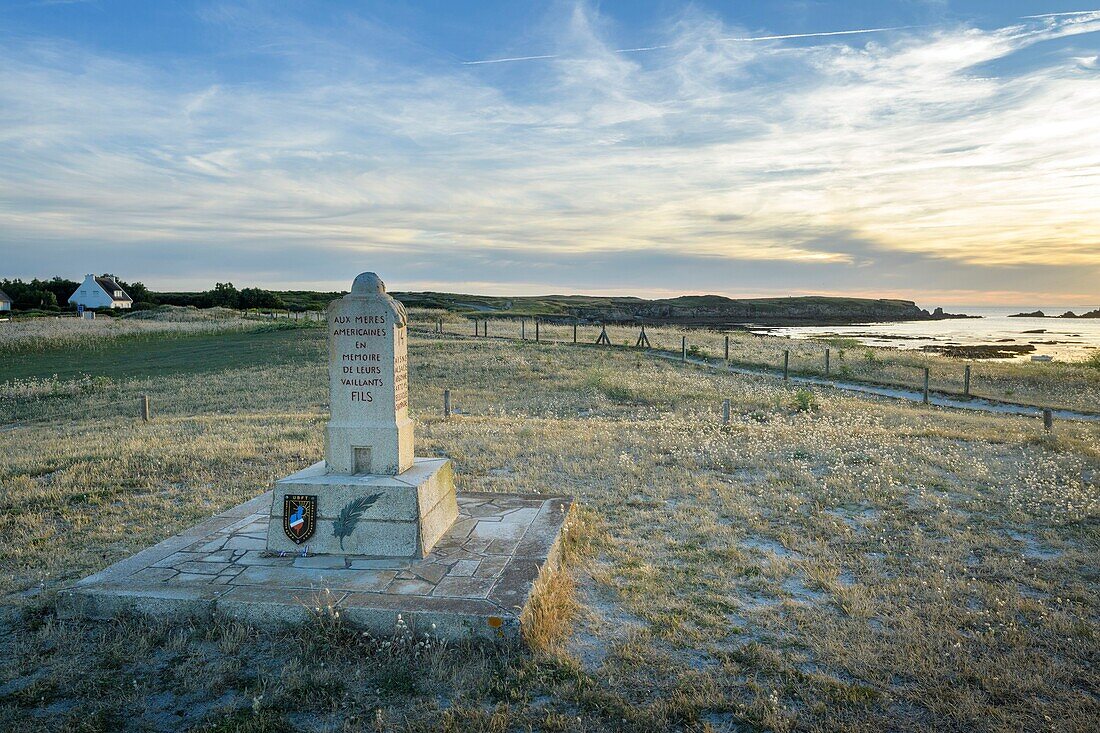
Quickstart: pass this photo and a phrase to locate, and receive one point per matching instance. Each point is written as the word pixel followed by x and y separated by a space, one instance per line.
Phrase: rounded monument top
pixel 368 283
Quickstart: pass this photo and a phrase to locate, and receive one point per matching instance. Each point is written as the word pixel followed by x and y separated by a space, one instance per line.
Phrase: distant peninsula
pixel 1067 314
pixel 687 310
pixel 704 311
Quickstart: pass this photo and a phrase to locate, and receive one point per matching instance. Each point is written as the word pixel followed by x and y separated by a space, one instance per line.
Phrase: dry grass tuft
pixel 549 617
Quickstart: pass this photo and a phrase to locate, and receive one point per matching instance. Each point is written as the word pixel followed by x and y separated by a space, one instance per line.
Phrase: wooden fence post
pixel 826 361
pixel 446 403
pixel 966 381
pixel 725 412
pixel 926 385
pixel 1048 419
pixel 574 333
pixel 145 408
pixel 683 348
pixel 537 331
pixel 727 348
pixel 523 329
pixel 786 364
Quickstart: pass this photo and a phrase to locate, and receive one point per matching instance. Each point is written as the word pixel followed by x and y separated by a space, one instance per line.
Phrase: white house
pixel 5 301
pixel 100 292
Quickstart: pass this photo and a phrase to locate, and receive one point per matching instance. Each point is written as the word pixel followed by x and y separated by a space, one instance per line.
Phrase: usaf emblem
pixel 299 517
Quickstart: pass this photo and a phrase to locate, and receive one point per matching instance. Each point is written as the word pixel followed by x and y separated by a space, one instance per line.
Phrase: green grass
pixel 151 355
pixel 615 387
pixel 840 342
pixel 866 565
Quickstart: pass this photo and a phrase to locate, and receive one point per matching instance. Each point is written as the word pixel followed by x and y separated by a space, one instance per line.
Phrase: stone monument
pixel 370 496
pixel 379 529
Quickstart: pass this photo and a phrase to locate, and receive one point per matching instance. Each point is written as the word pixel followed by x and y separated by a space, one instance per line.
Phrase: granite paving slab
pixel 476 582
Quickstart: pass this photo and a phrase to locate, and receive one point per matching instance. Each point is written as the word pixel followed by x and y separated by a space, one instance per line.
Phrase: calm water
pixel 1065 339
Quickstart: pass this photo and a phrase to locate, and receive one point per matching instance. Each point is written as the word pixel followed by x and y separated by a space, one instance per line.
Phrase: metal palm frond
pixel 349 517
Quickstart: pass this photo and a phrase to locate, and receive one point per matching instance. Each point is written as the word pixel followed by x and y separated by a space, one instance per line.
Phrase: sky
pixel 944 152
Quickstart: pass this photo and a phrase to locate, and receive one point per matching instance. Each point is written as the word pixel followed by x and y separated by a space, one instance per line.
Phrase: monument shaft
pixel 369 431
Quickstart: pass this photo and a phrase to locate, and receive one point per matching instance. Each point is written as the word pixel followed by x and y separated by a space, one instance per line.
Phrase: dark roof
pixel 4 296
pixel 111 286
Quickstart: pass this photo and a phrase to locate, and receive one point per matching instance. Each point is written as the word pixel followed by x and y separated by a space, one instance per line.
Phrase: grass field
pixel 825 562
pixel 33 334
pixel 152 355
pixel 1067 385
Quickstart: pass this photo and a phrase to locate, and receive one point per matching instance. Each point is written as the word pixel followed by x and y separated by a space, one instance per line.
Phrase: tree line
pixel 225 295
pixel 53 295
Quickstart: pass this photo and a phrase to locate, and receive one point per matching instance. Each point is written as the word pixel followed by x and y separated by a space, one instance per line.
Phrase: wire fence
pixel 73 400
pixel 840 361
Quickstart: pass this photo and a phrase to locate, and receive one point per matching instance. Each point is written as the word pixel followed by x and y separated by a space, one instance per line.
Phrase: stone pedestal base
pixel 404 516
pixel 478 581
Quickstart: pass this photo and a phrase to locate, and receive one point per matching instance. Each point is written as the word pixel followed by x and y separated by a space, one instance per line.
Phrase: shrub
pixel 804 401
pixel 614 387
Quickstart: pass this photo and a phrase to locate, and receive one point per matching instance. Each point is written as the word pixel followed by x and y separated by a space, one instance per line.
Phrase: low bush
pixel 804 401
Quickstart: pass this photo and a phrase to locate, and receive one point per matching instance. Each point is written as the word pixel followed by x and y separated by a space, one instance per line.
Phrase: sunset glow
pixel 595 154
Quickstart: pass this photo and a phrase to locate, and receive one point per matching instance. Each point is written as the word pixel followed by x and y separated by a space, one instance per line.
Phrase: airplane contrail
pixel 514 58
pixel 656 48
pixel 815 35
pixel 641 48
pixel 750 39
pixel 1059 15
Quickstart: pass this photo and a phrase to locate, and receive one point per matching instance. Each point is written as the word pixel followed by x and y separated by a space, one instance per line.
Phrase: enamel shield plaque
pixel 299 517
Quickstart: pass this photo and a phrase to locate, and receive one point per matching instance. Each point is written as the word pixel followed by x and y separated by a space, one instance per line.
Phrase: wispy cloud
pixel 909 161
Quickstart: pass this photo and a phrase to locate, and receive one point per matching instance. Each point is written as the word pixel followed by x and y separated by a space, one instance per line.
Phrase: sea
pixel 1062 339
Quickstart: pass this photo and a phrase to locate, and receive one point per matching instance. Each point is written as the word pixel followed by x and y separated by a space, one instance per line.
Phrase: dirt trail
pixel 934 398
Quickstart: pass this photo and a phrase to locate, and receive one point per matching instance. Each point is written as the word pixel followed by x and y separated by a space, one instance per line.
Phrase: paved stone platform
pixel 475 582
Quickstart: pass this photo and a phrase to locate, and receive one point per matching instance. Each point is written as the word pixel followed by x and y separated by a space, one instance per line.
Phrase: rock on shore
pixel 1067 314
